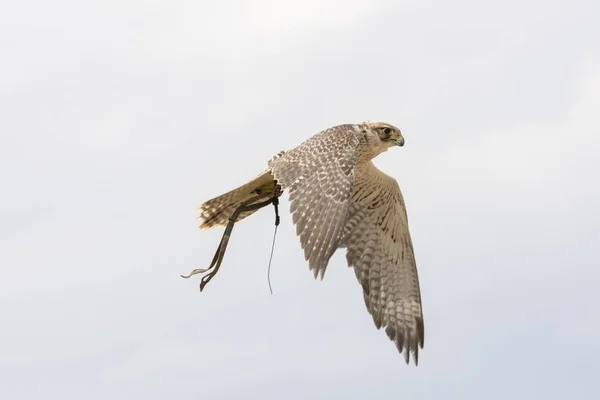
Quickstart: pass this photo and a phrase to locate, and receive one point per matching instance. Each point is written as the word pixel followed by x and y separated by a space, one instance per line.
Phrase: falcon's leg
pixel 249 205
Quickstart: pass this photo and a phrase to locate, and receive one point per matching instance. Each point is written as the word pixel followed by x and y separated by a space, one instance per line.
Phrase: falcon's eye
pixel 387 131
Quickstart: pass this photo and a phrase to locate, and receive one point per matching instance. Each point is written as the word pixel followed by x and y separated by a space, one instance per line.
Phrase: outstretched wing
pixel 319 175
pixel 380 249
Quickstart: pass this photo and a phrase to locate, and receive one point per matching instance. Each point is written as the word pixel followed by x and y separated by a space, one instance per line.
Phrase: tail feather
pixel 216 211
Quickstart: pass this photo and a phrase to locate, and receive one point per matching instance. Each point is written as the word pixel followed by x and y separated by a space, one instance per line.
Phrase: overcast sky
pixel 118 118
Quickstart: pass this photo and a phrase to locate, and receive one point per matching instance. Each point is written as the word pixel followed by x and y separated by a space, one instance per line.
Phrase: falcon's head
pixel 384 135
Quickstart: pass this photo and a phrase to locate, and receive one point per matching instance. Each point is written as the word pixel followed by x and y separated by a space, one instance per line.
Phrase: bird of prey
pixel 339 199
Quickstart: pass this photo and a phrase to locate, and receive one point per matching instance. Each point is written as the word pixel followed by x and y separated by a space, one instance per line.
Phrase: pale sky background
pixel 118 118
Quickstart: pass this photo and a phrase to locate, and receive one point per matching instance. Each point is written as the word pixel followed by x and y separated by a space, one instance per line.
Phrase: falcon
pixel 339 199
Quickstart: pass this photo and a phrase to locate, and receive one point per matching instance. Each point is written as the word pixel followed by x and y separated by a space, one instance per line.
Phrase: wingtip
pixel 416 357
pixel 421 332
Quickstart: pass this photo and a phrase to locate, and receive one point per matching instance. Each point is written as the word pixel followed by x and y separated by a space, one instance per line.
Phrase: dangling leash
pixel 276 206
pixel 248 205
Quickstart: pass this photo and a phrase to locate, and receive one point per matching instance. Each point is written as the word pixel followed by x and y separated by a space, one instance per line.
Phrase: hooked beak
pixel 399 140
